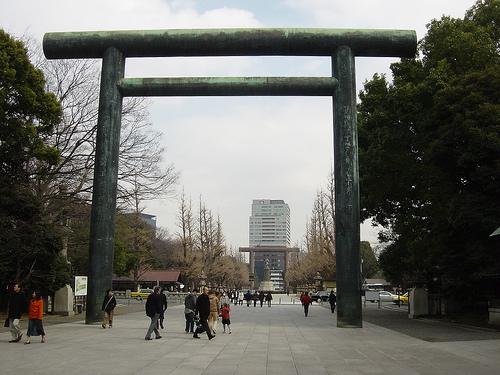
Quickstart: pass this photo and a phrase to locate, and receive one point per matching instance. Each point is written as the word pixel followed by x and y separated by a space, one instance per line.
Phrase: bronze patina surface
pixel 229 86
pixel 230 42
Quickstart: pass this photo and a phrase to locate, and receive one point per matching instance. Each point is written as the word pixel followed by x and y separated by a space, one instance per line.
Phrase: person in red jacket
pixel 35 315
pixel 306 301
pixel 226 318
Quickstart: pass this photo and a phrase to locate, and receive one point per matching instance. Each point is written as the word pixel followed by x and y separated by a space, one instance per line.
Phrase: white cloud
pixel 384 14
pixel 38 17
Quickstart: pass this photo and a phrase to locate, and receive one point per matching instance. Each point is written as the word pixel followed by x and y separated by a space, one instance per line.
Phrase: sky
pixel 231 150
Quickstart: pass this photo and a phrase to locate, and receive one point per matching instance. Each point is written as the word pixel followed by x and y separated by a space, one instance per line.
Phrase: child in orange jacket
pixel 35 314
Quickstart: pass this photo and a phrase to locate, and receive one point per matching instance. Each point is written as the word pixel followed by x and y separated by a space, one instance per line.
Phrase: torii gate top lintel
pixel 231 42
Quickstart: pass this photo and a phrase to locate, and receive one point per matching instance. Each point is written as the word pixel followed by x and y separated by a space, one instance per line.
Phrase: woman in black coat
pixel 108 306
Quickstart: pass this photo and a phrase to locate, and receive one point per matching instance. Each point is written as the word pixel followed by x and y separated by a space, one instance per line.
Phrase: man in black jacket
pixel 153 310
pixel 203 309
pixel 17 305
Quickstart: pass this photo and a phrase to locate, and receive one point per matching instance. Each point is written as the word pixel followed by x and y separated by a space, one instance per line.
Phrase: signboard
pixel 80 285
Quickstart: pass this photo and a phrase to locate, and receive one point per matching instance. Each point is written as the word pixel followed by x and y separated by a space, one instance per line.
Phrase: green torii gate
pixel 343 45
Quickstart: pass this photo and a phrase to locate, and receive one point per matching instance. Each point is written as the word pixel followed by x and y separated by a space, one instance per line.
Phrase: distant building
pixel 269 223
pixel 149 220
pixel 269 238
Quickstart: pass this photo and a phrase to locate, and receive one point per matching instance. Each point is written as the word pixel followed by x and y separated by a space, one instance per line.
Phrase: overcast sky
pixel 233 150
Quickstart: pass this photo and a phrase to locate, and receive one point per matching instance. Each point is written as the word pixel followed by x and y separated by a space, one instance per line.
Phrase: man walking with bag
pixel 153 310
pixel 203 309
pixel 17 305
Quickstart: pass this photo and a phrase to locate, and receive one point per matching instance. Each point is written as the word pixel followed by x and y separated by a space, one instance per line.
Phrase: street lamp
pixel 318 281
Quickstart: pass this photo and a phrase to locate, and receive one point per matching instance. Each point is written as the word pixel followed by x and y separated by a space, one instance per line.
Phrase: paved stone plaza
pixel 277 340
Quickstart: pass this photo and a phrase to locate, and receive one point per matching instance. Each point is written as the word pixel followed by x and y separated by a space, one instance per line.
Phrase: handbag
pixel 6 324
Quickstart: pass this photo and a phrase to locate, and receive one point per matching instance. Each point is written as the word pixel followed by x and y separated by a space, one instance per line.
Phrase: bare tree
pixel 319 252
pixel 142 171
pixel 185 224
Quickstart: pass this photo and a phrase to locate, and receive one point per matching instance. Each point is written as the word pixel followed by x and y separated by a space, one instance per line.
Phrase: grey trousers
pixel 152 327
pixel 15 328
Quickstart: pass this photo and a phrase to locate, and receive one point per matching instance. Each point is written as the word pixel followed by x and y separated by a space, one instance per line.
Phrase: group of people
pixel 237 297
pixel 18 305
pixel 306 301
pixel 205 309
pixel 202 310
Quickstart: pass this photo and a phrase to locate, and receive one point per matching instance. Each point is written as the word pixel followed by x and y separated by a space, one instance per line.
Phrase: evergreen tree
pixel 30 244
pixel 430 155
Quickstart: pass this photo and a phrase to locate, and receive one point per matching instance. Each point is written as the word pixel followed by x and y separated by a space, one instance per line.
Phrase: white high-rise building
pixel 269 223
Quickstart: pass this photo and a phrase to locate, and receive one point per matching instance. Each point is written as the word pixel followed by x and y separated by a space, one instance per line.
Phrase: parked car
pixel 141 294
pixel 382 295
pixel 402 299
pixel 322 295
pixel 386 296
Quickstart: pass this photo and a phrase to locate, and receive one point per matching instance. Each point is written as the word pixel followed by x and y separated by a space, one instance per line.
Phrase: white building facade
pixel 269 223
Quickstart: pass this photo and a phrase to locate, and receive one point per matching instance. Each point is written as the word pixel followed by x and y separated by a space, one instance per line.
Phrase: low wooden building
pixel 168 279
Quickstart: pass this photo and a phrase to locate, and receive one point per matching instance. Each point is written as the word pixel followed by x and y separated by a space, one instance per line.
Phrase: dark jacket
pixel 164 303
pixel 190 302
pixel 203 306
pixel 332 298
pixel 153 305
pixel 261 296
pixel 108 306
pixel 18 304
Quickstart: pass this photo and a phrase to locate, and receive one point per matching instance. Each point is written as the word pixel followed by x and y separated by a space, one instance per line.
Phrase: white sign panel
pixel 80 285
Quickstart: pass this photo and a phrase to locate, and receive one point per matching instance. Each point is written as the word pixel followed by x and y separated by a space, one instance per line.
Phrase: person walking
pixel 226 318
pixel 240 298
pixel 153 310
pixel 189 307
pixel 306 302
pixel 203 310
pixel 17 306
pixel 164 305
pixel 35 316
pixel 108 306
pixel 248 298
pixel 261 298
pixel 255 298
pixel 214 311
pixel 269 298
pixel 332 298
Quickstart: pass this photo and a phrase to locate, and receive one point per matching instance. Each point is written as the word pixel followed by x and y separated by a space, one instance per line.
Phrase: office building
pixel 269 238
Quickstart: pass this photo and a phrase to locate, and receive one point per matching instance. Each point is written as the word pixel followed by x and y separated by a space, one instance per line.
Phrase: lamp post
pixel 318 280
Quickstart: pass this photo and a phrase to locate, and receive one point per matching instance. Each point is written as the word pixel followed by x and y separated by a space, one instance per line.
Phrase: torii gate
pixel 343 45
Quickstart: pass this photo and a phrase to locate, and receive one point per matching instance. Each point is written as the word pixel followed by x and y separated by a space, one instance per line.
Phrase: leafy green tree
pixel 430 154
pixel 370 264
pixel 30 244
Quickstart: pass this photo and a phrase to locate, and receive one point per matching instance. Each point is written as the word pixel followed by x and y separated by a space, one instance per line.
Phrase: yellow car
pixel 141 294
pixel 402 299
